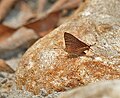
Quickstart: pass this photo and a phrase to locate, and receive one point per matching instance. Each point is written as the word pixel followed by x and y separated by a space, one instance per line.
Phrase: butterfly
pixel 74 46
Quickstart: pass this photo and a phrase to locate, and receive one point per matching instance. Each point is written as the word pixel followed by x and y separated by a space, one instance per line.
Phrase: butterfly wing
pixel 74 45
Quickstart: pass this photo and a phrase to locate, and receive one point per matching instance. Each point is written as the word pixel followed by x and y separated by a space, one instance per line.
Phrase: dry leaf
pixel 5 32
pixel 5 67
pixel 42 34
pixel 45 23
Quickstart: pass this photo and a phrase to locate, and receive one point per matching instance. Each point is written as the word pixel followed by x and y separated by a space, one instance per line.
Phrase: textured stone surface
pixel 46 66
pixel 106 89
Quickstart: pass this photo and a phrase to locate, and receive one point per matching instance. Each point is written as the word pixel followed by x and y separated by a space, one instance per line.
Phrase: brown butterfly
pixel 74 46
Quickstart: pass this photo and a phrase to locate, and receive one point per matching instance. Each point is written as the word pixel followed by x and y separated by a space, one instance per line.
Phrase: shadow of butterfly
pixel 74 46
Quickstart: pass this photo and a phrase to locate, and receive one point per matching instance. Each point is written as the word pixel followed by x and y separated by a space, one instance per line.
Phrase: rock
pixel 106 89
pixel 46 65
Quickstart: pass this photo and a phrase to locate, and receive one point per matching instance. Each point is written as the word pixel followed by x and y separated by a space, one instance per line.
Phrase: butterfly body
pixel 74 46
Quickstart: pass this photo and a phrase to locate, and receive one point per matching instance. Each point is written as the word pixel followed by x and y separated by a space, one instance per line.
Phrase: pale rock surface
pixel 106 89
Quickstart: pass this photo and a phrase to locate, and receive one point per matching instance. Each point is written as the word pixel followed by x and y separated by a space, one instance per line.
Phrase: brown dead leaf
pixel 42 34
pixel 63 20
pixel 45 23
pixel 5 32
pixel 4 67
